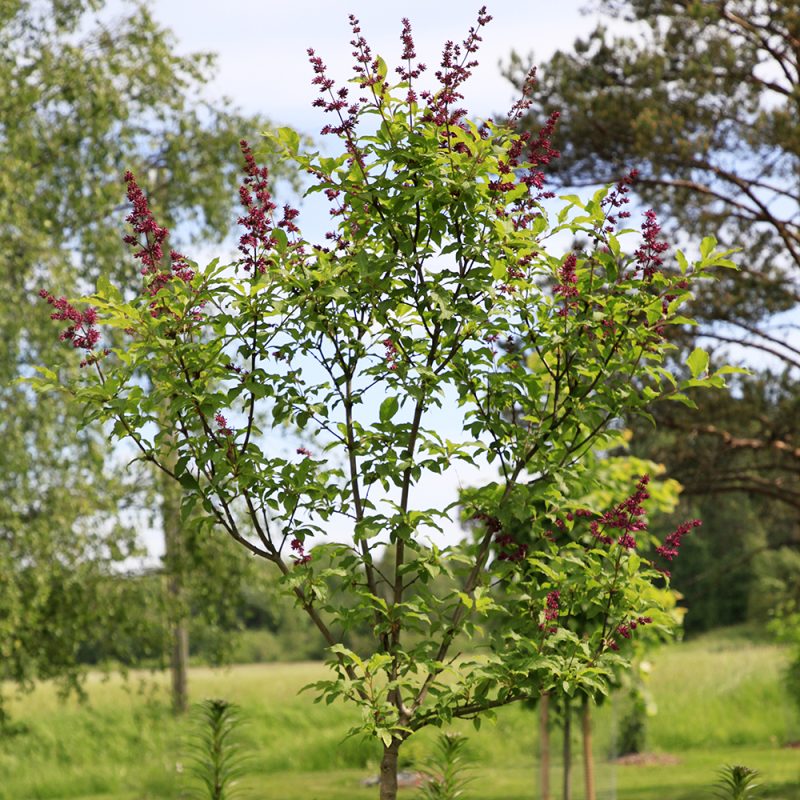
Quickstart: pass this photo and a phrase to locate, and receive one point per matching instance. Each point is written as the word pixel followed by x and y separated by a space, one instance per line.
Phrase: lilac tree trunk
pixel 388 783
pixel 567 785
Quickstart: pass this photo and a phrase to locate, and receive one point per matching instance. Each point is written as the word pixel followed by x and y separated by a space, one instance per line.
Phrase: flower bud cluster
pixel 626 517
pixel 455 68
pixel 82 331
pixel 148 240
pixel 551 612
pixel 648 256
pixel 392 355
pixel 617 198
pixel 222 425
pixel 567 286
pixel 255 196
pixel 409 73
pixel 302 556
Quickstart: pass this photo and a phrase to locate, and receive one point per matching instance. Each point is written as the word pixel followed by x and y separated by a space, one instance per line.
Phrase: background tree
pixel 81 98
pixel 703 99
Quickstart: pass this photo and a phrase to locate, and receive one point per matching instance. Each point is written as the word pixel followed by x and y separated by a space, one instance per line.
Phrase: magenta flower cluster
pixel 626 517
pixel 455 68
pixel 617 198
pixel 537 152
pixel 551 612
pixel 648 256
pixel 256 198
pixel 366 66
pixel 148 240
pixel 567 286
pixel 527 153
pixel 391 355
pixel 81 331
pixel 301 557
pixel 335 101
pixel 672 543
pixel 222 425
pixel 408 73
pixel 624 629
pixel 509 549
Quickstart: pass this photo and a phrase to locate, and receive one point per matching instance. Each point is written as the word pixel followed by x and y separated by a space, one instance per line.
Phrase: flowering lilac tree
pixel 439 250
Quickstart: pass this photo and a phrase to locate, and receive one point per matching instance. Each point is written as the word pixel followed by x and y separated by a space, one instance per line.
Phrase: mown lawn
pixel 719 701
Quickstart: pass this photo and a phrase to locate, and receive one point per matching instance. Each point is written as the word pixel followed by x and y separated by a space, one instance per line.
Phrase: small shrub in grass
pixel 448 769
pixel 736 782
pixel 633 729
pixel 215 752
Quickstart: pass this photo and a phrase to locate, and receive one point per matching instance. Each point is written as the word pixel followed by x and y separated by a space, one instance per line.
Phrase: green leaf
pixel 679 320
pixel 188 481
pixel 680 397
pixel 290 139
pixel 572 199
pixel 697 362
pixel 707 246
pixel 382 70
pixel 729 370
pixel 48 373
pixel 107 290
pixel 389 408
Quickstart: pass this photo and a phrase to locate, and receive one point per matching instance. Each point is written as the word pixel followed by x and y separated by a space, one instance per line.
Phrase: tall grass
pixel 719 691
pixel 715 692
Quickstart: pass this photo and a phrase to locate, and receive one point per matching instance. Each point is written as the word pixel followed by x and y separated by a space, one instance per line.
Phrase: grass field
pixel 719 701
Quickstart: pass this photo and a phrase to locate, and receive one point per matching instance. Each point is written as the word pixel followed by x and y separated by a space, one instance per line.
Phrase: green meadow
pixel 719 701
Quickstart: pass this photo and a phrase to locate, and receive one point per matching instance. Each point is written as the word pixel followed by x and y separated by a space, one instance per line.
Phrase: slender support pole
pixel 588 755
pixel 544 747
pixel 567 793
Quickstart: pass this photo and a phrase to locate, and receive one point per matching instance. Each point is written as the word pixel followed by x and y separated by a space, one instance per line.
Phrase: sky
pixel 261 46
